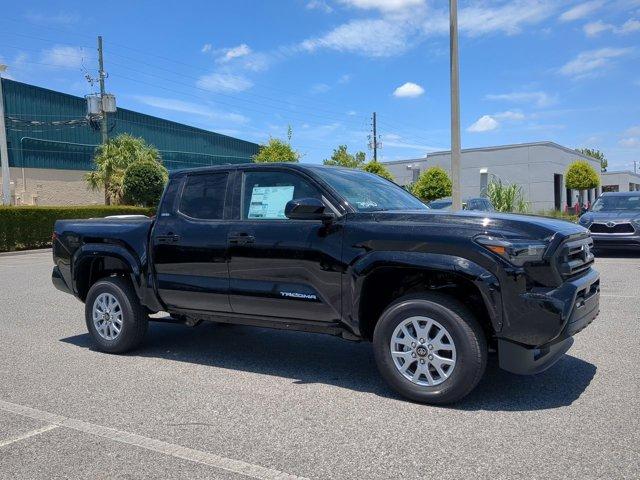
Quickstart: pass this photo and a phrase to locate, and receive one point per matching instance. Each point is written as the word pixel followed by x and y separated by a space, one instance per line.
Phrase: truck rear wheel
pixel 116 320
pixel 430 348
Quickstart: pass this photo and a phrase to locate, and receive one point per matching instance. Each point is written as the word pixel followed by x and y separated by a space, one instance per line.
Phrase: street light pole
pixel 455 106
pixel 4 152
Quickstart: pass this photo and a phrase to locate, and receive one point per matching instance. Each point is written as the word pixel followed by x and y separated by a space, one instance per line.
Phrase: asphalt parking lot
pixel 234 402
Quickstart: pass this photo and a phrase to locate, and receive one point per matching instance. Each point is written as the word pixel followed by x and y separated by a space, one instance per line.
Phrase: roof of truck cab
pixel 243 166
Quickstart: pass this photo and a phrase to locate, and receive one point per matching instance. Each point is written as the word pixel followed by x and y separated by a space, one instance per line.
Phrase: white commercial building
pixel 620 182
pixel 539 168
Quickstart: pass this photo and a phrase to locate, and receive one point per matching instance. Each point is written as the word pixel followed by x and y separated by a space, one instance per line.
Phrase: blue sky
pixel 531 70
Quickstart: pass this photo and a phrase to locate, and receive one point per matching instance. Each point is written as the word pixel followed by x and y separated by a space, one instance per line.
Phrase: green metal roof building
pixel 50 130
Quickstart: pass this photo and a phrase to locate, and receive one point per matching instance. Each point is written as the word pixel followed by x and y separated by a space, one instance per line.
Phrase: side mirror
pixel 307 209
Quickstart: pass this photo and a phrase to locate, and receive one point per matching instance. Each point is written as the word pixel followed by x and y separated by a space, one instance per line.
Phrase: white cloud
pixel 630 26
pixel 590 62
pixel 352 113
pixel 235 52
pixel 594 29
pixel 485 123
pixel 509 18
pixel 370 37
pixel 64 56
pixel 224 82
pixel 206 48
pixel 408 90
pixel 320 88
pixel 630 142
pixel 61 18
pixel 581 10
pixel 509 115
pixel 319 5
pixel 402 24
pixel 633 131
pixel 384 5
pixel 346 78
pixel 191 108
pixel 539 99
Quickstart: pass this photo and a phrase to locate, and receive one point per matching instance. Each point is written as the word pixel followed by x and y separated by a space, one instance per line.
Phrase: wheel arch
pixel 94 262
pixel 382 277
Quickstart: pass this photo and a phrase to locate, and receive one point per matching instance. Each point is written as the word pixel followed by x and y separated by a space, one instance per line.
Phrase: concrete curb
pixel 24 252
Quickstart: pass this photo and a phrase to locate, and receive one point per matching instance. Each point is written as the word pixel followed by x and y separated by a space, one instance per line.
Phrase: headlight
pixel 516 252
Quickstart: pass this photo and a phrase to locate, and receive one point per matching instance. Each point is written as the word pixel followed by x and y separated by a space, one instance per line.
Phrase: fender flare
pixel 90 251
pixel 486 282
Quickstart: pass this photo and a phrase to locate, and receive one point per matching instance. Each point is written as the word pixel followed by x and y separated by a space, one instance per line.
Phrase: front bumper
pixel 577 303
pixel 615 240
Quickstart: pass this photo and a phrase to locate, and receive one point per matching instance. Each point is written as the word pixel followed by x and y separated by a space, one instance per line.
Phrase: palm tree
pixel 112 159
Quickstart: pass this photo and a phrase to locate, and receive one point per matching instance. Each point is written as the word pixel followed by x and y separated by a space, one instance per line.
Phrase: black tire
pixel 466 333
pixel 134 316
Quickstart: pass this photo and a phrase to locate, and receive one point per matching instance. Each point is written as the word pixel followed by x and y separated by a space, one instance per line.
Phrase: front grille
pixel 575 257
pixel 615 228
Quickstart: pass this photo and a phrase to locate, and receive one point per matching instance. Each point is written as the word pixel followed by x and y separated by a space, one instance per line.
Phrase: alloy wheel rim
pixel 107 316
pixel 423 351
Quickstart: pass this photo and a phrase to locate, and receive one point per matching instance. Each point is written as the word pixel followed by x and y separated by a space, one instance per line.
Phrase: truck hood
pixel 489 223
pixel 615 216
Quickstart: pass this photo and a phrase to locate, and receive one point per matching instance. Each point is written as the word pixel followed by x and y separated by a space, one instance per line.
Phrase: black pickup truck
pixel 342 252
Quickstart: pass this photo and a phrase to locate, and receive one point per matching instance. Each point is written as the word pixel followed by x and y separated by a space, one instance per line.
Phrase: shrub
pixel 569 217
pixel 432 184
pixel 378 169
pixel 143 183
pixel 581 176
pixel 22 228
pixel 507 197
pixel 113 158
pixel 277 150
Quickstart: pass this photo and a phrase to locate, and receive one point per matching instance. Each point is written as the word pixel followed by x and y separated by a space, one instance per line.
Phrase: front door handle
pixel 241 238
pixel 170 238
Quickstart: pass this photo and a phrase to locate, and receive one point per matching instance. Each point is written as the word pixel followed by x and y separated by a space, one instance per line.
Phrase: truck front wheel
pixel 430 348
pixel 115 319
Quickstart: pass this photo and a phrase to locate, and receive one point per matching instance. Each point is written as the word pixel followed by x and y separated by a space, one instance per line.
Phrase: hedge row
pixel 22 228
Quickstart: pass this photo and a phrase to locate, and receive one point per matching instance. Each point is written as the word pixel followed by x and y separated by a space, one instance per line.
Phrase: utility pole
pixel 456 153
pixel 103 120
pixel 375 139
pixel 4 152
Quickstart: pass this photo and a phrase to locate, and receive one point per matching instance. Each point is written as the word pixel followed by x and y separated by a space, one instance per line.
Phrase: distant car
pixel 614 220
pixel 478 204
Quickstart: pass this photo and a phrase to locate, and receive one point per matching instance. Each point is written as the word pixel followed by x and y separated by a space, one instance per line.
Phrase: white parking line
pixel 32 433
pixel 197 456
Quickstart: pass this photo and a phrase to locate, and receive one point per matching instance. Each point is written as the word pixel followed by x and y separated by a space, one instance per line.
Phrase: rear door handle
pixel 241 238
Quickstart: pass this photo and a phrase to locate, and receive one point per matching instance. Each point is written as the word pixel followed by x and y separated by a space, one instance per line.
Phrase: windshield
pixel 440 205
pixel 611 203
pixel 367 192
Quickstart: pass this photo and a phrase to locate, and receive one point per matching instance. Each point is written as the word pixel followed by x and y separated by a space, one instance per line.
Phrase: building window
pixel 610 188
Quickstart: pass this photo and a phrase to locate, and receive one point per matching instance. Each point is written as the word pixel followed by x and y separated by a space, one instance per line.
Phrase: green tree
pixel 143 183
pixel 581 176
pixel 597 154
pixel 112 159
pixel 277 150
pixel 377 168
pixel 432 184
pixel 342 158
pixel 507 197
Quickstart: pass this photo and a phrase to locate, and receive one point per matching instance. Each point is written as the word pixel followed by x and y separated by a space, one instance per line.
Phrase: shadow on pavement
pixel 604 254
pixel 312 358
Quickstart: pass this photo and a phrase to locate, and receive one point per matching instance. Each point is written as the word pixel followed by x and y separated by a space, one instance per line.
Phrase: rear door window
pixel 203 196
